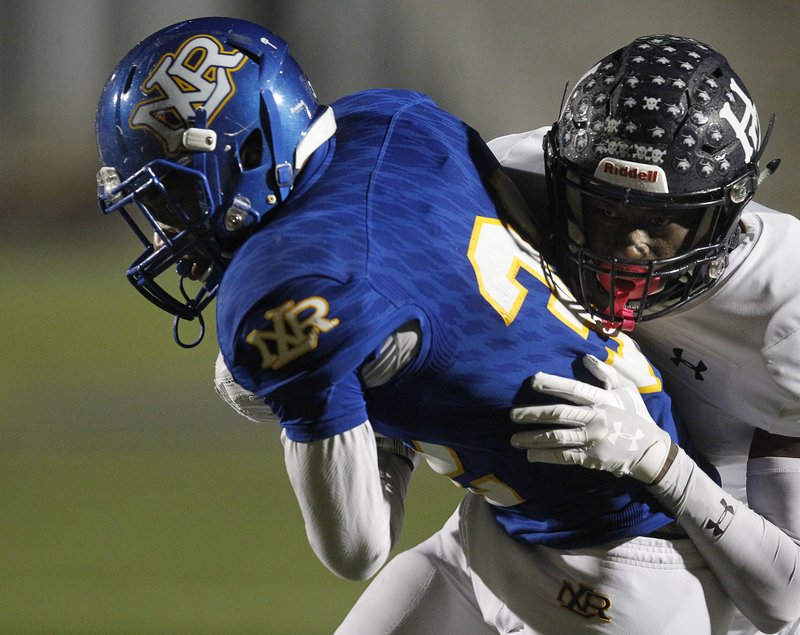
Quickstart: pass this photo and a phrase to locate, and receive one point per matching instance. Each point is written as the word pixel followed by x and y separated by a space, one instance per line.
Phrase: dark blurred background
pixel 499 65
pixel 131 499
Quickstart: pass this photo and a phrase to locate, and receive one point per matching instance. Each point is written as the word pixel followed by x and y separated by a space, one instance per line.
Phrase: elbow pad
pixel 243 401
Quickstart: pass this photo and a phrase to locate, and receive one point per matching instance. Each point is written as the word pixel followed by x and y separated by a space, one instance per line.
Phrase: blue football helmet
pixel 201 130
pixel 660 124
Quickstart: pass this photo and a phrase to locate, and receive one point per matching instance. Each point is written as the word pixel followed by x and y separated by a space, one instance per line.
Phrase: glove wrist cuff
pixel 652 466
pixel 671 454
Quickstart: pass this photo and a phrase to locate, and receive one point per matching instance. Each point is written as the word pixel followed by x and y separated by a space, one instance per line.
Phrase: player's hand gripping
pixel 609 429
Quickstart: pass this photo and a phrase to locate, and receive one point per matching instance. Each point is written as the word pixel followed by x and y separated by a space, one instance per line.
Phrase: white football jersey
pixel 729 359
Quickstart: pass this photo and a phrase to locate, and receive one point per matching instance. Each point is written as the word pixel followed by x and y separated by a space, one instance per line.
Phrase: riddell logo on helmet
pixel 638 176
pixel 633 173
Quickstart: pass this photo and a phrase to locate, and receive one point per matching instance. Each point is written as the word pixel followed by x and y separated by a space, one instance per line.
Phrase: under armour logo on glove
pixel 698 369
pixel 606 429
pixel 627 436
pixel 725 518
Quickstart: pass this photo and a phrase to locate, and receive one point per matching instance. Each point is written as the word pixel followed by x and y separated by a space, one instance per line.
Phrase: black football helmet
pixel 661 124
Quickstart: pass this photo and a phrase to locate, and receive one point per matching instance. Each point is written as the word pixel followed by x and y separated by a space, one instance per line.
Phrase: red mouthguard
pixel 625 289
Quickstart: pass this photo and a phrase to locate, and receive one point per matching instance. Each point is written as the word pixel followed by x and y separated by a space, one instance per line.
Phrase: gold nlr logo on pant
pixel 584 601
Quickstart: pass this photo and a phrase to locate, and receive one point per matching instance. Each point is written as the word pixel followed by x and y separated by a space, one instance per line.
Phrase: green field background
pixel 132 500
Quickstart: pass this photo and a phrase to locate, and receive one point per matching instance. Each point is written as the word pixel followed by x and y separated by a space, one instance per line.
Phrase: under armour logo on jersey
pixel 618 434
pixel 584 601
pixel 725 518
pixel 698 368
pixel 197 75
pixel 746 128
pixel 295 331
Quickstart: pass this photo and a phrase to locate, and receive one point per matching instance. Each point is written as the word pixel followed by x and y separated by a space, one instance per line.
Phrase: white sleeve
pixel 773 481
pixel 521 151
pixel 351 497
pixel 756 562
pixel 351 488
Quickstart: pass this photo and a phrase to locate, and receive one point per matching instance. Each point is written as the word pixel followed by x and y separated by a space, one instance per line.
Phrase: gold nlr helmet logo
pixel 197 75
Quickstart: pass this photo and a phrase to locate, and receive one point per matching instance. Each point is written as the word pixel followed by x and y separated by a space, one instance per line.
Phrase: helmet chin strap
pixel 177 336
pixel 198 314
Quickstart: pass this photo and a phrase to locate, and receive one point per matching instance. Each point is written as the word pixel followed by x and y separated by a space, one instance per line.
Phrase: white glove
pixel 240 399
pixel 609 430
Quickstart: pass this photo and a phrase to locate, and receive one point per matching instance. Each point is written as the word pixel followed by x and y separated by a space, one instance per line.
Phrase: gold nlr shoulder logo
pixel 197 75
pixel 295 329
pixel 584 601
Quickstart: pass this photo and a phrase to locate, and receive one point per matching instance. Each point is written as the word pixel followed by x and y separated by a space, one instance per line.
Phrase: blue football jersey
pixel 399 220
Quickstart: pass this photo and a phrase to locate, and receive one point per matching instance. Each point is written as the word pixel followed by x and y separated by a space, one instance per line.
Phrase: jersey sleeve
pixel 300 347
pixel 521 151
pixel 780 360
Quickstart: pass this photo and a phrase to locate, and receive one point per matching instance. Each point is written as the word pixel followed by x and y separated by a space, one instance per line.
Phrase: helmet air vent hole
pixel 129 80
pixel 240 45
pixel 251 151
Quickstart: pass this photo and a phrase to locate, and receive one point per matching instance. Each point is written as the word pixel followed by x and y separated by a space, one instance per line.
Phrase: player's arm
pixel 755 549
pixel 754 552
pixel 351 494
pixel 351 486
